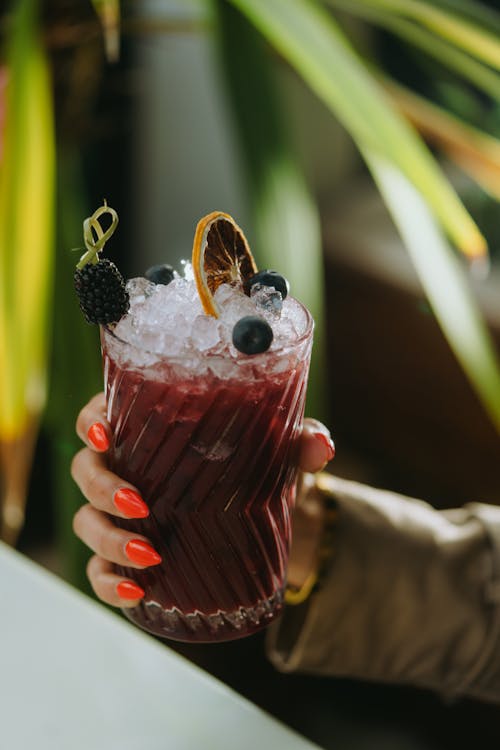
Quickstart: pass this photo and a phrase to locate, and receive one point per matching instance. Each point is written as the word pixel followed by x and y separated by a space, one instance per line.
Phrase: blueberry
pixel 252 335
pixel 269 278
pixel 162 274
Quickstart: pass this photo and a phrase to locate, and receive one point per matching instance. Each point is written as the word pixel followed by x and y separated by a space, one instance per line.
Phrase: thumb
pixel 316 447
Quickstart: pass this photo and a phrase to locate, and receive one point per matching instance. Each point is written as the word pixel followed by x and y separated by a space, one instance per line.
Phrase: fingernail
pixel 130 503
pixel 328 443
pixel 141 553
pixel 98 437
pixel 129 590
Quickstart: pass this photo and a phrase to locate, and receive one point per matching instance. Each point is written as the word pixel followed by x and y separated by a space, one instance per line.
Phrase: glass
pixel 214 454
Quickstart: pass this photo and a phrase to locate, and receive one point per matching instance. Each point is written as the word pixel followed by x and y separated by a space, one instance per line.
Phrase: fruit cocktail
pixel 206 412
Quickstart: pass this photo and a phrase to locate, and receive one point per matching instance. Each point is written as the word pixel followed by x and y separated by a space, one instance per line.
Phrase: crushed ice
pixel 169 320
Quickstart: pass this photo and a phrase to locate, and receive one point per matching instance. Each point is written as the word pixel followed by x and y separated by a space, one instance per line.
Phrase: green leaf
pixel 310 40
pixel 26 225
pixel 481 76
pixel 287 226
pixel 109 13
pixel 444 281
pixel 475 152
pixel 474 39
pixel 472 10
pixel 26 257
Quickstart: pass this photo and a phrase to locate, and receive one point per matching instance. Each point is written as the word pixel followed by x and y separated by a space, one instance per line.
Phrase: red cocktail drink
pixel 213 450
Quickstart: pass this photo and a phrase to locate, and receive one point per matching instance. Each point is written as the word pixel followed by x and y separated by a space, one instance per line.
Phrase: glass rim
pixel 254 358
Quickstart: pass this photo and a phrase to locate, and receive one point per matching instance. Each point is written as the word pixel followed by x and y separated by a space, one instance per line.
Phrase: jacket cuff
pixel 411 596
pixel 484 683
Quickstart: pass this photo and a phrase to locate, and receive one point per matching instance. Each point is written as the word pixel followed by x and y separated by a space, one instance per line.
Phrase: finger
pixel 110 587
pixel 316 447
pixel 105 490
pixel 92 425
pixel 119 546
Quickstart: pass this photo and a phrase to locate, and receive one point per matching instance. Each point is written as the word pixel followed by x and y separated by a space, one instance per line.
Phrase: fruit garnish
pixel 252 335
pixel 268 278
pixel 99 285
pixel 221 255
pixel 101 292
pixel 161 274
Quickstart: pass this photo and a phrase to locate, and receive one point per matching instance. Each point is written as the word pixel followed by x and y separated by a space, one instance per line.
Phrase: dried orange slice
pixel 220 256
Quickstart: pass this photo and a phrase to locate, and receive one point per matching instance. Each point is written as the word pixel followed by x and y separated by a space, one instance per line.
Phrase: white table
pixel 74 676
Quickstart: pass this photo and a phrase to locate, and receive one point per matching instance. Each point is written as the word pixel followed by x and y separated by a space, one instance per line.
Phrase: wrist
pixel 308 521
pixel 312 546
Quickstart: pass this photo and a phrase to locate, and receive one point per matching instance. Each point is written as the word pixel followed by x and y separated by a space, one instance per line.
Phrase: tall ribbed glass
pixel 214 454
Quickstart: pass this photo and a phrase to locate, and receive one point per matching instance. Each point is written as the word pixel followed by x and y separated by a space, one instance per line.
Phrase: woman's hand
pixel 108 495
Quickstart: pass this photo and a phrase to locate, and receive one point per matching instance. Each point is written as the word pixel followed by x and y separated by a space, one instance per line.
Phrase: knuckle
pixel 81 419
pixel 109 541
pixel 93 484
pixel 79 520
pixel 76 463
pixel 94 577
pixel 116 539
pixel 91 569
pixel 98 401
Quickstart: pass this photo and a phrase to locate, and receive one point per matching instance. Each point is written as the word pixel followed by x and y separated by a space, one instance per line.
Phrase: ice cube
pixel 139 288
pixel 182 292
pixel 294 312
pixel 205 333
pixel 233 304
pixel 149 339
pixel 187 270
pixel 268 301
pixel 284 333
pixel 224 294
pixel 172 345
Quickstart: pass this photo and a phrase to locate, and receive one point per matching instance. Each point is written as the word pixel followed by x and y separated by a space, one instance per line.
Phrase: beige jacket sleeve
pixel 412 595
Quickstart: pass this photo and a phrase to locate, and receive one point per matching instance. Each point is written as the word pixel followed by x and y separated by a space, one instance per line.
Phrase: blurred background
pixel 358 144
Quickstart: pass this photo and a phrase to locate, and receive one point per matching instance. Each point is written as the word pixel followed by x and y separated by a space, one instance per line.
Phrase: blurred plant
pixel 286 220
pixel 37 305
pixel 26 255
pixel 382 115
pixel 310 39
pixel 109 13
pixel 78 62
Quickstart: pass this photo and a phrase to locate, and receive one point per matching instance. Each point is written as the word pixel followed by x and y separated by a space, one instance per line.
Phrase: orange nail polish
pixel 328 443
pixel 97 436
pixel 130 503
pixel 141 553
pixel 129 590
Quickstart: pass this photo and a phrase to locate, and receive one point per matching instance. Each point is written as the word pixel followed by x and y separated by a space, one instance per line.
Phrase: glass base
pixel 196 627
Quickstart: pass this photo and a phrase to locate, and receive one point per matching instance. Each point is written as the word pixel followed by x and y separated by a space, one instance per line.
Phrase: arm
pixel 411 595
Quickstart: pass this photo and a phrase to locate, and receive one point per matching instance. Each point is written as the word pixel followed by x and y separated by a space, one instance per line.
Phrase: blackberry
pixel 100 288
